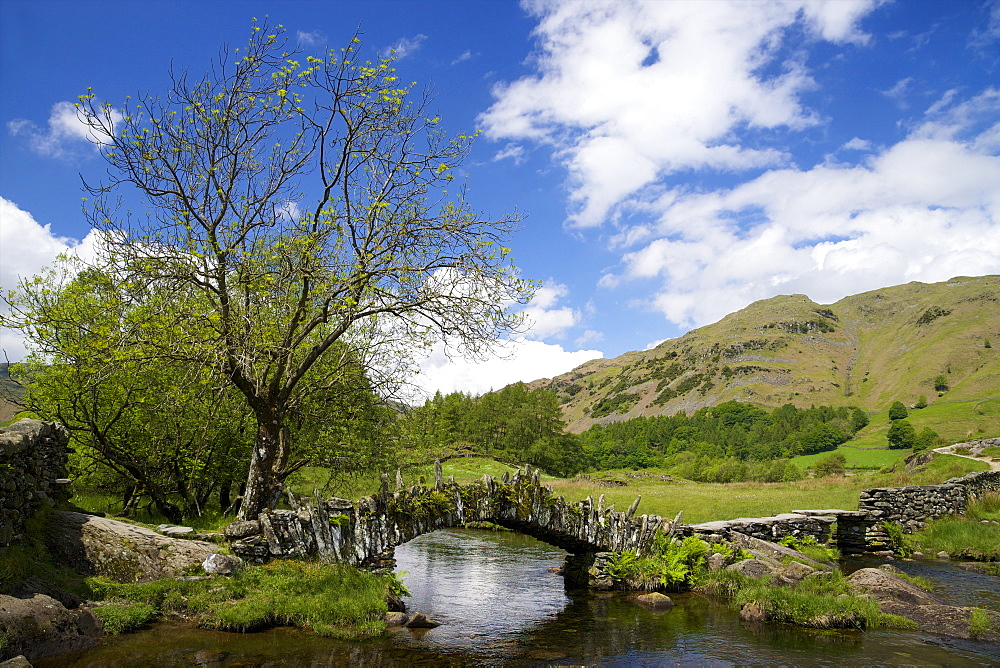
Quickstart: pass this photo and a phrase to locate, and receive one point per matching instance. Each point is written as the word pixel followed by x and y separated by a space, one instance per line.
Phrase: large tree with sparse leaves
pixel 293 201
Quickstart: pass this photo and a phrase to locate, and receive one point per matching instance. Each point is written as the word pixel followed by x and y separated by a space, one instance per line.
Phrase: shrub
pixel 921 401
pixel 833 464
pixel 941 383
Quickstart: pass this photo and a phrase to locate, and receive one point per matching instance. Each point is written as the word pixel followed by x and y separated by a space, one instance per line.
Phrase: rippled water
pixel 500 605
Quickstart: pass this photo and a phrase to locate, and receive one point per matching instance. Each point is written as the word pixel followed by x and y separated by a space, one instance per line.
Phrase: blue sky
pixel 677 160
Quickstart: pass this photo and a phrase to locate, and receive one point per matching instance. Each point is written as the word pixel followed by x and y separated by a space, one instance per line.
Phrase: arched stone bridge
pixel 365 532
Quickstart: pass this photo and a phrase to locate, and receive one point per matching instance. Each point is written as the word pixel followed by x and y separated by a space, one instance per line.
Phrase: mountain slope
pixel 865 350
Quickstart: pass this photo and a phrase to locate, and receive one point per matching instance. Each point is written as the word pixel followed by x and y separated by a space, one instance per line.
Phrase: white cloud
pixel 546 320
pixel 465 55
pixel 312 38
pixel 515 360
pixel 511 150
pixel 680 78
pixel 925 209
pixel 406 46
pixel 858 144
pixel 28 248
pixel 63 133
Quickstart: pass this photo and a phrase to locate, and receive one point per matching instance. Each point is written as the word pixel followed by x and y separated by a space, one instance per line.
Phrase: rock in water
pixel 420 621
pixel 396 618
pixel 220 564
pixel 655 600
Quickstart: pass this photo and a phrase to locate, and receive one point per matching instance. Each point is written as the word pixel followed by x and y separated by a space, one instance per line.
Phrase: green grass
pixel 329 599
pixel 118 618
pixel 979 622
pixel 817 602
pixel 964 536
pixel 953 421
pixel 704 502
pixel 856 459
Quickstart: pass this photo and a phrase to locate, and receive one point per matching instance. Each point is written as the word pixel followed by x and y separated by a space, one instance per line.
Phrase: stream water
pixel 500 605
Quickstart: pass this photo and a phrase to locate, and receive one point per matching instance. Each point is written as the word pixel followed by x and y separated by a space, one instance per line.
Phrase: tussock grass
pixel 118 618
pixel 330 599
pixel 965 536
pixel 817 602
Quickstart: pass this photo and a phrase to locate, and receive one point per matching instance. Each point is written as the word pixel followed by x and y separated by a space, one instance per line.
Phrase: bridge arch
pixel 365 532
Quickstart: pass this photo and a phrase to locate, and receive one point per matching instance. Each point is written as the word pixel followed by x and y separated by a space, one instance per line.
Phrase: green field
pixel 700 502
pixel 953 421
pixel 856 459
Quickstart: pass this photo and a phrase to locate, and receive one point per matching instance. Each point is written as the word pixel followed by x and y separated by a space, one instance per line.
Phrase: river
pixel 499 605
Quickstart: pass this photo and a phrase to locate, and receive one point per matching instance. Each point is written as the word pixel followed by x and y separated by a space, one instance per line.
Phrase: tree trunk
pixel 263 488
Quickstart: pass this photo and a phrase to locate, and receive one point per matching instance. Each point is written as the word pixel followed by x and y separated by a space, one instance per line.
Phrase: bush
pixel 897 411
pixel 941 383
pixel 833 464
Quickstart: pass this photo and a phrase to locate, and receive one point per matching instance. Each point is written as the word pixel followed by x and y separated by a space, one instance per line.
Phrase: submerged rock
pixel 655 600
pixel 420 621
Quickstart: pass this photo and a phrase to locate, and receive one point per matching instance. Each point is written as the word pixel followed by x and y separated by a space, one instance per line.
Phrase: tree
pixel 897 411
pixel 940 383
pixel 295 203
pixel 859 420
pixel 141 427
pixel 901 435
pixel 921 402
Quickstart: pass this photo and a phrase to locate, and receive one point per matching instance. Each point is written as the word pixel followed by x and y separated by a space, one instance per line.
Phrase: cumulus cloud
pixel 28 248
pixel 63 134
pixel 406 46
pixel 311 38
pixel 925 209
pixel 516 360
pixel 545 319
pixel 629 92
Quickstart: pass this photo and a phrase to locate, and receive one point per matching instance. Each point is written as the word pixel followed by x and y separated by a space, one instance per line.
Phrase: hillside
pixel 865 350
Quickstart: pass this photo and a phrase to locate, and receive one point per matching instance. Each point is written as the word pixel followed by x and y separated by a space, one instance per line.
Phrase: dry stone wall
pixel 32 472
pixel 911 506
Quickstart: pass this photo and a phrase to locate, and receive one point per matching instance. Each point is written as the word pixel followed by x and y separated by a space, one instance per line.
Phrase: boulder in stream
pixel 655 600
pixel 420 621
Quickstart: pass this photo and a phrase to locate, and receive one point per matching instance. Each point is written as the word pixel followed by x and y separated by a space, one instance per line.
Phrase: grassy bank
pixel 330 599
pixel 975 535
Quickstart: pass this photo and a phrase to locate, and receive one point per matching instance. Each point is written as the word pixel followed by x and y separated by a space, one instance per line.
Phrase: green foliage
pixel 516 423
pixel 897 411
pixel 932 314
pixel 941 383
pixel 902 544
pixel 833 464
pixel 901 435
pixel 672 564
pixel 118 618
pixel 921 402
pixel 734 441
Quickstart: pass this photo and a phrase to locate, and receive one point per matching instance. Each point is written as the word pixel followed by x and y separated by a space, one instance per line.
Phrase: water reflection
pixel 500 605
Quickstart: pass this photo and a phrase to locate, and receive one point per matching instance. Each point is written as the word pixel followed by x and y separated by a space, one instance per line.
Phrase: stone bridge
pixel 365 532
